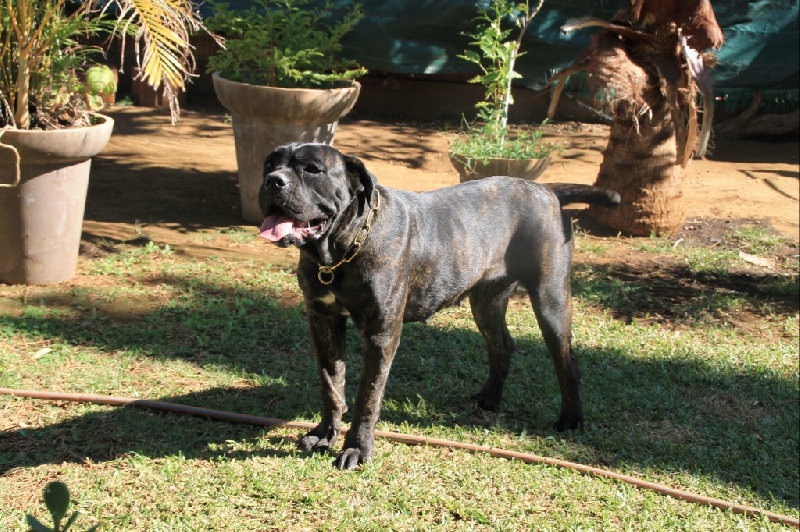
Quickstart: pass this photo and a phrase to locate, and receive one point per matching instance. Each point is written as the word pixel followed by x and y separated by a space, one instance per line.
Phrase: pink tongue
pixel 276 227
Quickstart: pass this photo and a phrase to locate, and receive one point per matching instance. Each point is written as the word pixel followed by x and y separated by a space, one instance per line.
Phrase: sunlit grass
pixel 690 400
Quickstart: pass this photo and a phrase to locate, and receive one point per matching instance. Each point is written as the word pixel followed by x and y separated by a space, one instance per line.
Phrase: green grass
pixel 679 283
pixel 758 240
pixel 690 398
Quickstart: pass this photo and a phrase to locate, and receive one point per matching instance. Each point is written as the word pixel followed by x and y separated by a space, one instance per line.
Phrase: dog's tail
pixel 569 193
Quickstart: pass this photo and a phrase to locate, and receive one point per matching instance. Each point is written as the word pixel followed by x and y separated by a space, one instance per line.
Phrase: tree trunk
pixel 648 65
pixel 640 163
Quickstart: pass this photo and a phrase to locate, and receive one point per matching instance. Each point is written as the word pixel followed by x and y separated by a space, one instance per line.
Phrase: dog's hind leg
pixel 328 333
pixel 489 302
pixel 550 298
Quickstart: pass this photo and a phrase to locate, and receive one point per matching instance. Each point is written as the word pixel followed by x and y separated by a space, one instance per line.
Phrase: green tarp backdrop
pixel 762 49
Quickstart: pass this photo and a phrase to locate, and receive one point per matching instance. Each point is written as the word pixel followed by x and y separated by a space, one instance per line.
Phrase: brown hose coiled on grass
pixel 410 440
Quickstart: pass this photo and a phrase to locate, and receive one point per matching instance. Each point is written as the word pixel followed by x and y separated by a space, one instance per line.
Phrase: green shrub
pixel 283 44
pixel 496 52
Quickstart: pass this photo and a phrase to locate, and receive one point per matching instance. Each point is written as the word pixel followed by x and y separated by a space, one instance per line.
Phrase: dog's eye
pixel 313 168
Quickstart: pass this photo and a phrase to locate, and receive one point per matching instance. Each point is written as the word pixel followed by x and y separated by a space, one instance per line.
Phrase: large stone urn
pixel 44 177
pixel 266 117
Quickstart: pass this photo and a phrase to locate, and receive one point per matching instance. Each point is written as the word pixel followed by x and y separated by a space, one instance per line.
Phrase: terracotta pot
pixel 41 216
pixel 266 117
pixel 525 168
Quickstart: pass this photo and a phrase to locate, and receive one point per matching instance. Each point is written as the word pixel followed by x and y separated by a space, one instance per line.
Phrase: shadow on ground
pixel 673 413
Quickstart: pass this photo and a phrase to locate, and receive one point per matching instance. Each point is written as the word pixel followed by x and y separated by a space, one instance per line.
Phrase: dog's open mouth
pixel 278 225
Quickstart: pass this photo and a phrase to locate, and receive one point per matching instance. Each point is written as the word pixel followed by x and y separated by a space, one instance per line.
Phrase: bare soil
pixel 173 181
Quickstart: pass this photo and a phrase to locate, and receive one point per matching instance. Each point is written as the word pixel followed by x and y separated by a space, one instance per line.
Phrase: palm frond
pixel 161 30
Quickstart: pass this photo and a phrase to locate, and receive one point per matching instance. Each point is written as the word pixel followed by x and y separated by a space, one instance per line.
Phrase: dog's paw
pixel 311 443
pixel 352 457
pixel 319 439
pixel 486 400
pixel 572 422
pixel 348 459
pixel 355 452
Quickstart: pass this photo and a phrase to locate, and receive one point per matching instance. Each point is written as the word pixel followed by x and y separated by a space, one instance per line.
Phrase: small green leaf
pixel 56 498
pixel 70 521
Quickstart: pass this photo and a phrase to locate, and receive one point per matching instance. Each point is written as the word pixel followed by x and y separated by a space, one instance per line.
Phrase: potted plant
pixel 488 146
pixel 281 76
pixel 48 133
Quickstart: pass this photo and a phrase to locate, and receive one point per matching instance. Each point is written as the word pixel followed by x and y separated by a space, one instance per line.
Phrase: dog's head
pixel 306 188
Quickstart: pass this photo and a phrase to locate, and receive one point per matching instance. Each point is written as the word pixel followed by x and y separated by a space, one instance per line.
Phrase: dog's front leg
pixel 328 334
pixel 379 350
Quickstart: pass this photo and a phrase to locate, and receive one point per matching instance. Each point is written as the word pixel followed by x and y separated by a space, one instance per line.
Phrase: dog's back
pixel 493 230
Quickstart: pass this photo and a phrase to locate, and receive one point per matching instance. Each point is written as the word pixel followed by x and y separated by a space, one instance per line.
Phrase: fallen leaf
pixel 41 352
pixel 758 261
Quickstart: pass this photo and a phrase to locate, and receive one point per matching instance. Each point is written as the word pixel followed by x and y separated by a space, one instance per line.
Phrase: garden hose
pixel 409 439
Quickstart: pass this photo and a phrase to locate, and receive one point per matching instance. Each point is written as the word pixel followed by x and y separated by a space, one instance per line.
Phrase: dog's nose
pixel 275 181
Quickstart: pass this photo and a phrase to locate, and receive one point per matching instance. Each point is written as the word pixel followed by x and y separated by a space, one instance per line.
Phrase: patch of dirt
pixel 171 184
pixel 683 288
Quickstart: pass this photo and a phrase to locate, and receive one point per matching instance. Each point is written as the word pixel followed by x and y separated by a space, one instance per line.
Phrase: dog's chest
pixel 327 303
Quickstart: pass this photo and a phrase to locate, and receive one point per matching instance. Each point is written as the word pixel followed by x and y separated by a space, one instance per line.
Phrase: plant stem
pixel 21 117
pixel 28 34
pixel 517 45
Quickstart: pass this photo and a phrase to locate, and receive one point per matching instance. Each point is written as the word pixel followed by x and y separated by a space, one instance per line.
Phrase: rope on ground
pixel 409 439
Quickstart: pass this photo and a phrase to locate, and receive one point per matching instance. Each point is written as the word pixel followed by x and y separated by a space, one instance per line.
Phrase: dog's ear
pixel 362 180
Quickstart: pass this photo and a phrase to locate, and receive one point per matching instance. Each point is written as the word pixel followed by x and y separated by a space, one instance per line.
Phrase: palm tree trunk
pixel 648 62
pixel 640 162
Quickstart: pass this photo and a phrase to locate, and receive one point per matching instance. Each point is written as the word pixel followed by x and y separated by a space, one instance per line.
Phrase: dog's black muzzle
pixel 274 191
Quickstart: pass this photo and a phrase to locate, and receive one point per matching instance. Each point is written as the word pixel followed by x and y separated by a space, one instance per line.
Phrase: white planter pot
pixel 41 217
pixel 266 117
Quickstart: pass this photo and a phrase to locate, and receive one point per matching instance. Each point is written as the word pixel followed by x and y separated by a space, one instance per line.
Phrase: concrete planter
pixel 266 117
pixel 525 168
pixel 44 176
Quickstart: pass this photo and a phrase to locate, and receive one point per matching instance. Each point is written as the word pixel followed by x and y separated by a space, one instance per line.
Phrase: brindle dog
pixel 383 257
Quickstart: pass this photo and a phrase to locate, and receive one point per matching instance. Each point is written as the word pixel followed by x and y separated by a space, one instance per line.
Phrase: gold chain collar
pixel 325 274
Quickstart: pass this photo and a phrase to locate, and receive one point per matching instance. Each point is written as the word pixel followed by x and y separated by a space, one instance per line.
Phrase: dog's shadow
pixel 651 412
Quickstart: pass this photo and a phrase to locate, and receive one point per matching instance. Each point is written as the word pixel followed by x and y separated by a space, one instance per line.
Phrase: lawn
pixel 689 357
